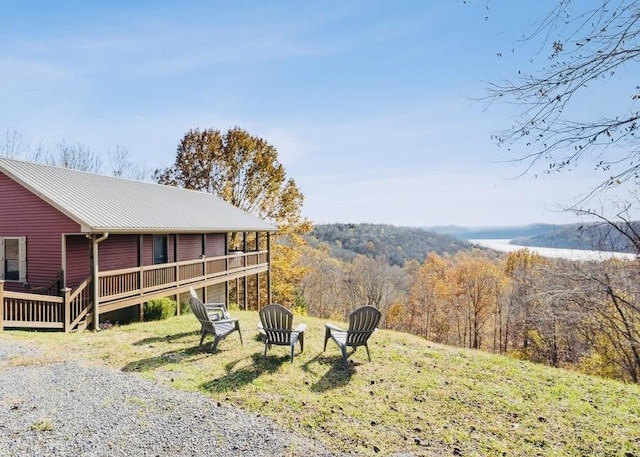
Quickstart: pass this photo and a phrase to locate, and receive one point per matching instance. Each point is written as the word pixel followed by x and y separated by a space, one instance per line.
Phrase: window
pixel 160 251
pixel 13 258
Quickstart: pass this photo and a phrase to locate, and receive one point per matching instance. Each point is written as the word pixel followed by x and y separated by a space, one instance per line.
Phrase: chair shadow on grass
pixel 165 358
pixel 335 376
pixel 167 338
pixel 234 379
pixel 186 354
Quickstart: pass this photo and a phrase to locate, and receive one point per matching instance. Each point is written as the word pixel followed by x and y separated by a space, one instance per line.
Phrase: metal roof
pixel 108 204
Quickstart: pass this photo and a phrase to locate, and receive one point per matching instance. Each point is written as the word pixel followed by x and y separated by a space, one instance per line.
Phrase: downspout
pixel 96 284
pixel 269 296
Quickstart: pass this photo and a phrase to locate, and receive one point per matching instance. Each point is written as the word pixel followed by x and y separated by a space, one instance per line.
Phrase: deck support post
pixel 96 281
pixel 258 291
pixel 1 304
pixel 245 295
pixel 66 293
pixel 269 296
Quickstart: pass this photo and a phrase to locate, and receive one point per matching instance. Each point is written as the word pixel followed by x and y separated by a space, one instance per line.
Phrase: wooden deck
pixel 118 289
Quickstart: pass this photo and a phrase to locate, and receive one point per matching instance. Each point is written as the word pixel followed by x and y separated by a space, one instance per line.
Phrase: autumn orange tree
pixel 479 283
pixel 323 285
pixel 244 170
pixel 523 268
pixel 428 295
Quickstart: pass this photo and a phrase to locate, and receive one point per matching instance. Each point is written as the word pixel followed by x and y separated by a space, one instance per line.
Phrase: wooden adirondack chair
pixel 216 310
pixel 276 323
pixel 362 322
pixel 218 328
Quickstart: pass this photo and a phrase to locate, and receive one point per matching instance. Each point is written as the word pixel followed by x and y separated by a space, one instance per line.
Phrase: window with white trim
pixel 13 258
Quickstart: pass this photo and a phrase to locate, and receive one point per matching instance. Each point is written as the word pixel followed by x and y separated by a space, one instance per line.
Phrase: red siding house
pixel 71 239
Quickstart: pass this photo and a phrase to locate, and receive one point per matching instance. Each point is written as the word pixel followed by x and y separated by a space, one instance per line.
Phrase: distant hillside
pixel 599 237
pixel 494 233
pixel 396 244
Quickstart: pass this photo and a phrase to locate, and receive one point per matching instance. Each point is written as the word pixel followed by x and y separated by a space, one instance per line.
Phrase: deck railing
pixel 46 311
pixel 119 284
pixel 72 307
pixel 32 310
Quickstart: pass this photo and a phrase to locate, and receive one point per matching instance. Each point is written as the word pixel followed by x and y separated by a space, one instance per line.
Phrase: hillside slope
pixel 395 244
pixel 599 237
pixel 493 233
pixel 415 396
pixel 588 236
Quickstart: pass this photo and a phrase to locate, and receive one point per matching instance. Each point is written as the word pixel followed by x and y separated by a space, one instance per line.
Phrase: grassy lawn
pixel 415 396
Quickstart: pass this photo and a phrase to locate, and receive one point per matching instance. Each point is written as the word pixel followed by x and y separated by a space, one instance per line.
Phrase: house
pixel 70 240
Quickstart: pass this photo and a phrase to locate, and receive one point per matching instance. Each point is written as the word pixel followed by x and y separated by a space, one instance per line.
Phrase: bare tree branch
pixel 589 46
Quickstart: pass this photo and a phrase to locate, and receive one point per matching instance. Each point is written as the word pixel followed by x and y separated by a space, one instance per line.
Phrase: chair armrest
pixel 226 321
pixel 217 308
pixel 216 311
pixel 300 328
pixel 333 328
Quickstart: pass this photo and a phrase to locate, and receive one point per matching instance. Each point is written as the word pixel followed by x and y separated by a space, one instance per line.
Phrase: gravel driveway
pixel 69 409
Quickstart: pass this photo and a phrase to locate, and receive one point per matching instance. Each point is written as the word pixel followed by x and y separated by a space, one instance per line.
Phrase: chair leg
pixel 214 345
pixel 266 346
pixel 366 346
pixel 344 355
pixel 202 335
pixel 240 333
pixel 292 348
pixel 327 335
pixel 302 342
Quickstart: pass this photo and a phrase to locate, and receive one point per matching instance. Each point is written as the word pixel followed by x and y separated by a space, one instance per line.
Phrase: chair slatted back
pixel 362 322
pixel 276 323
pixel 199 310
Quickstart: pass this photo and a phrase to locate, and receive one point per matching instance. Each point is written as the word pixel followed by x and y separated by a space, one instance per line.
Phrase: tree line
pixel 116 160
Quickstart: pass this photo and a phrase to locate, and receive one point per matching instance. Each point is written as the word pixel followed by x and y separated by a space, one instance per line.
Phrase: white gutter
pixel 96 283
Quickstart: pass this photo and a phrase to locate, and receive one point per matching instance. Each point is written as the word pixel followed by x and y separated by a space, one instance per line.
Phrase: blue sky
pixel 369 103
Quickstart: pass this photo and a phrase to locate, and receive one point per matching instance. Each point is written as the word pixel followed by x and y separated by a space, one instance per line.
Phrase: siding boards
pixel 118 252
pixel 78 259
pixel 189 247
pixel 25 214
pixel 147 250
pixel 217 293
pixel 215 244
pixel 171 248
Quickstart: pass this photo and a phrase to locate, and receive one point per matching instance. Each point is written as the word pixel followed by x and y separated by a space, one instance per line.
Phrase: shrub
pixel 185 308
pixel 300 306
pixel 159 309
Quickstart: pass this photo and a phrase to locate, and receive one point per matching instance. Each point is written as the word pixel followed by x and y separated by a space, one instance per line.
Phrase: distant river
pixel 571 254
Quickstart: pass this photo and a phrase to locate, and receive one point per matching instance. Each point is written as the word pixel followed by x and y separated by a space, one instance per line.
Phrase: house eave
pixel 172 230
